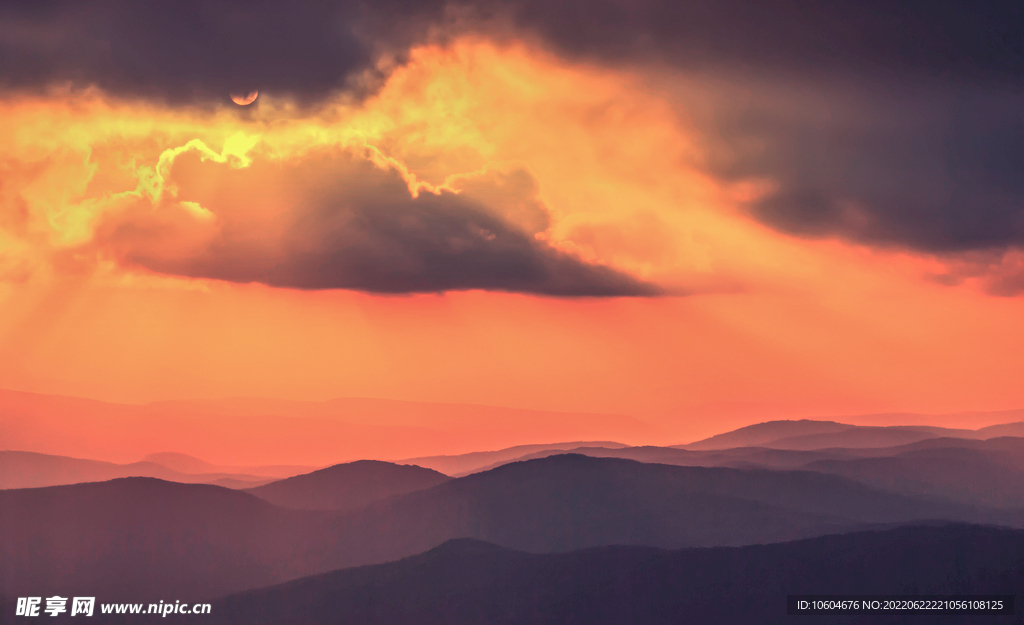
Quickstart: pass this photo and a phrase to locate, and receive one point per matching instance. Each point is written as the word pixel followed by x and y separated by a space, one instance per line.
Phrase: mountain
pixel 464 464
pixel 24 469
pixel 136 538
pixel 989 474
pixel 759 434
pixel 811 435
pixel 1005 429
pixel 854 438
pixel 977 472
pixel 1006 450
pixel 348 486
pixel 181 462
pixel 245 432
pixel 570 502
pixel 650 454
pixel 466 581
pixel 738 458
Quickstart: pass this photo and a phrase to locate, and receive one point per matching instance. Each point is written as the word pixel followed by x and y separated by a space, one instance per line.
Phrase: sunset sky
pixel 701 216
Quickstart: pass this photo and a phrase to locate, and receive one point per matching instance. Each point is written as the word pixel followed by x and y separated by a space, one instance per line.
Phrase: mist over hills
pixel 968 471
pixel 993 477
pixel 553 517
pixel 807 434
pixel 464 464
pixel 24 469
pixel 243 431
pixel 467 581
pixel 141 537
pixel 573 501
pixel 775 444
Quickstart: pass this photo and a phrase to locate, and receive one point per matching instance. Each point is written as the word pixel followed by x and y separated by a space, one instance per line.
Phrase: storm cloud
pixel 330 220
pixel 196 51
pixel 938 169
pixel 199 49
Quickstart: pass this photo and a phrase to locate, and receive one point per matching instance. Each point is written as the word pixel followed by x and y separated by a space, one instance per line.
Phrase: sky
pixel 701 215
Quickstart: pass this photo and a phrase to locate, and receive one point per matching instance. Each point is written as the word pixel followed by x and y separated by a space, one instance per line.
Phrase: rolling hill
pixel 137 537
pixel 348 486
pixel 464 464
pixel 141 537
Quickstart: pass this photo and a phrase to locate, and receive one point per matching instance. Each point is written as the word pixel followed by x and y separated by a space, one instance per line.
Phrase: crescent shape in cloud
pixel 243 100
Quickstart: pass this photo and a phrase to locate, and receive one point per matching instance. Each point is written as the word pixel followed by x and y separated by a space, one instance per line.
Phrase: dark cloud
pixel 199 50
pixel 892 123
pixel 345 224
pixel 189 50
pixel 976 40
pixel 934 168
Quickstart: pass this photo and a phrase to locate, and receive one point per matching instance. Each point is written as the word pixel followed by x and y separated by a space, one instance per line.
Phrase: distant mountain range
pixel 243 431
pixel 142 537
pixel 808 435
pixel 24 469
pixel 466 581
pixel 755 444
pixel 464 464
pixel 969 471
pixel 596 531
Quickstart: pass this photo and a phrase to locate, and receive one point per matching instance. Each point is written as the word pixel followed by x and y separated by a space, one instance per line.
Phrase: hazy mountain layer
pixel 467 581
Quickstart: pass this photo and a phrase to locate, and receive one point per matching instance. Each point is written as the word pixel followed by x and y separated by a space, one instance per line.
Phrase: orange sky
pixel 756 325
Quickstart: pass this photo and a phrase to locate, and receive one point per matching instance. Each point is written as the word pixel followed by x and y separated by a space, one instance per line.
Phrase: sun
pixel 244 100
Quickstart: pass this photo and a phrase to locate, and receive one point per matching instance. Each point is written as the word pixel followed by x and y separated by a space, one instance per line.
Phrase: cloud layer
pixel 196 51
pixel 891 124
pixel 201 49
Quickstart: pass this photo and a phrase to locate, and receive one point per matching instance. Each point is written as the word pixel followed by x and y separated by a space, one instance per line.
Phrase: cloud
pixel 949 39
pixel 890 124
pixel 998 273
pixel 197 50
pixel 939 172
pixel 330 219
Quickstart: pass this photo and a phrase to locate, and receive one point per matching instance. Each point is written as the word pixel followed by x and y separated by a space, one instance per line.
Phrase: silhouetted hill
pixel 130 538
pixel 855 437
pixel 977 475
pixel 571 501
pixel 987 472
pixel 738 458
pixel 759 434
pixel 464 464
pixel 813 435
pixel 1005 429
pixel 348 486
pixel 137 538
pixel 24 469
pixel 1005 450
pixel 465 581
pixel 181 462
